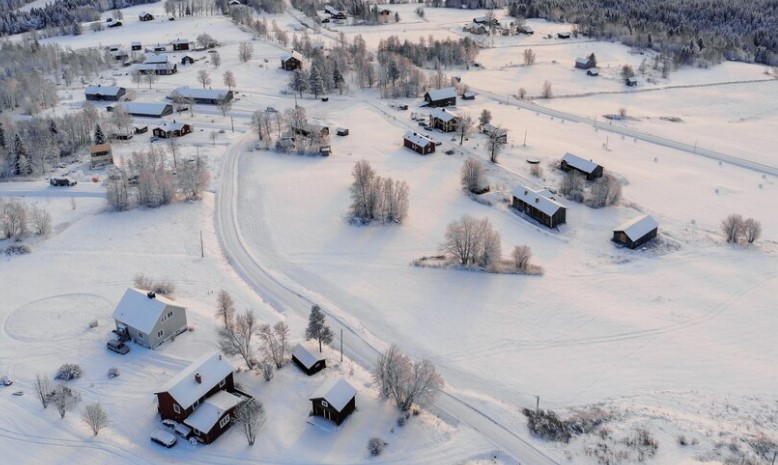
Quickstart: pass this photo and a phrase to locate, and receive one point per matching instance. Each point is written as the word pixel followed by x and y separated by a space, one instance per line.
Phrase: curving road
pixel 286 296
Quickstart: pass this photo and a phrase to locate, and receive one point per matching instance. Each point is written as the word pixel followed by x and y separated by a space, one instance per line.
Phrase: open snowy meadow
pixel 675 339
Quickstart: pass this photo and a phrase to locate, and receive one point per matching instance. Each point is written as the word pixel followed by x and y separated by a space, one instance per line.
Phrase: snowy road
pixel 42 189
pixel 286 296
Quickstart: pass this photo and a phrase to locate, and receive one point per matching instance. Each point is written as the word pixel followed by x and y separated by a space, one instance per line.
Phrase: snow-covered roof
pixel 212 410
pixel 540 199
pixel 443 115
pixel 337 392
pixel 103 90
pixel 215 94
pixel 417 138
pixel 135 42
pixel 154 66
pixel 155 58
pixel 442 94
pixel 582 61
pixel 306 355
pixel 293 54
pixel 145 108
pixel 638 227
pixel 168 126
pixel 184 388
pixel 100 148
pixel 587 166
pixel 139 311
pixel 179 41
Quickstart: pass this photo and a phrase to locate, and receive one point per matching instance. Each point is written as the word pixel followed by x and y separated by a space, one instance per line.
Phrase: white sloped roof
pixel 417 138
pixel 144 108
pixel 171 126
pixel 337 392
pixel 103 90
pixel 212 410
pixel 294 54
pixel 155 58
pixel 188 92
pixel 137 310
pixel 212 367
pixel 443 114
pixel 154 66
pixel 638 227
pixel 441 94
pixel 587 166
pixel 538 199
pixel 180 41
pixel 306 355
pixel 582 60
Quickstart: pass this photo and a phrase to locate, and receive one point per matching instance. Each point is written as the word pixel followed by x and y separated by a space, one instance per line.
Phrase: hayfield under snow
pixel 676 338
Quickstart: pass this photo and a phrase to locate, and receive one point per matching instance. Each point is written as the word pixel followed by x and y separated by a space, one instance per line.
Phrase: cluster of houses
pixel 488 24
pixel 154 62
pixel 202 399
pixel 542 205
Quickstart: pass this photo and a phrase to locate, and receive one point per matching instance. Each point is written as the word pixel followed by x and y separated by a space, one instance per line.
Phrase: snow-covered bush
pixel 68 371
pixel 113 372
pixel 17 249
pixel 375 446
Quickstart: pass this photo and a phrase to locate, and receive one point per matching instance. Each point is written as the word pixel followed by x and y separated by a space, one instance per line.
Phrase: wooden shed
pixel 308 359
pixel 540 205
pixel 636 231
pixel 334 400
pixel 586 167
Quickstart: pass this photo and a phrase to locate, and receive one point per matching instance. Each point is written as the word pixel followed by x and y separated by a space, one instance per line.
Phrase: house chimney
pixel 198 378
pixel 151 295
pixel 537 200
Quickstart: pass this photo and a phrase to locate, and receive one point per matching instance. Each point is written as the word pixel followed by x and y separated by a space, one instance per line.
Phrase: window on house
pixel 176 408
pixel 224 421
pixel 160 333
pixel 324 403
pixel 222 383
pixel 170 313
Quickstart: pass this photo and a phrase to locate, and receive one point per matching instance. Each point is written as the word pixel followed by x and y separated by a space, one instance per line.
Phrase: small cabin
pixel 144 16
pixel 586 167
pixel 636 231
pixel 563 35
pixel 136 46
pixel 335 400
pixel 441 97
pixel 170 129
pixel 341 131
pixel 180 44
pixel 291 61
pixel 418 143
pixel 308 359
pixel 631 82
pixel 539 205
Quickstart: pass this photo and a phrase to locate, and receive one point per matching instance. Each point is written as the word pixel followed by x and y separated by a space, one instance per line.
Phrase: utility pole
pixel 202 250
pixel 695 147
pixel 525 138
pixel 537 404
pixel 341 345
pixel 232 123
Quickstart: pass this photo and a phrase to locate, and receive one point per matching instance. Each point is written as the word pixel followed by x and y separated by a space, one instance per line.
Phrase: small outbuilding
pixel 563 35
pixel 468 96
pixel 583 63
pixel 631 82
pixel 441 97
pixel 136 46
pixel 146 109
pixel 205 96
pixel 334 400
pixel 115 24
pixel 341 131
pixel 418 143
pixel 291 61
pixel 636 231
pixel 144 16
pixel 187 60
pixel 586 167
pixel 147 319
pixel 308 359
pixel 540 205
pixel 100 155
pixel 170 129
pixel 180 44
pixel 593 72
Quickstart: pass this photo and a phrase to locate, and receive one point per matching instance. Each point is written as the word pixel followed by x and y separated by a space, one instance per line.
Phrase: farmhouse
pixel 205 96
pixel 110 93
pixel 418 143
pixel 291 61
pixel 586 167
pixel 145 16
pixel 441 97
pixel 443 119
pixel 146 109
pixel 180 44
pixel 170 129
pixel 311 130
pixel 334 400
pixel 203 397
pixel 308 359
pixel 160 69
pixel 583 63
pixel 539 205
pixel 100 155
pixel 148 319
pixel 636 231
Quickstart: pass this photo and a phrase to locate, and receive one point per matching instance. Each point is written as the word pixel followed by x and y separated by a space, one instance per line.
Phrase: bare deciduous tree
pixel 275 342
pixel 95 417
pixel 465 128
pixel 236 339
pixel 752 229
pixel 225 307
pixel 472 242
pixel 245 51
pixel 529 57
pixel 605 192
pixel 732 227
pixel 362 196
pixel 43 389
pixel 546 92
pixel 250 416
pixel 495 142
pixel 229 80
pixel 473 178
pixel 204 78
pixel 41 220
pixel 193 177
pixel 521 256
pixel 64 399
pixel 216 59
pixel 572 185
pixel 485 118
pixel 405 381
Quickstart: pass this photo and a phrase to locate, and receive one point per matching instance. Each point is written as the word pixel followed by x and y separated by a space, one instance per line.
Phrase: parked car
pixel 270 110
pixel 118 347
pixel 170 423
pixel 183 430
pixel 163 438
pixel 402 107
pixel 5 381
pixel 62 182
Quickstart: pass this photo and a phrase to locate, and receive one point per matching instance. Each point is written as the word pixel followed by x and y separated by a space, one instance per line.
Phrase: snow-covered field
pixel 676 338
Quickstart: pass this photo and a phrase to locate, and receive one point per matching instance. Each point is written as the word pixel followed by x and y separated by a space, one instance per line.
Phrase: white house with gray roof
pixel 148 319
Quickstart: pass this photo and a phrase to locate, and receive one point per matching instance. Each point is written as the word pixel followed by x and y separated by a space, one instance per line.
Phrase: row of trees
pixel 603 192
pixel 374 198
pixel 432 51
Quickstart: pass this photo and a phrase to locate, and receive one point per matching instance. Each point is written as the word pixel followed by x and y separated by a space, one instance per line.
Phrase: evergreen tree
pixel 21 157
pixel 316 82
pixel 75 29
pixel 337 78
pixel 99 136
pixel 297 82
pixel 3 144
pixel 317 328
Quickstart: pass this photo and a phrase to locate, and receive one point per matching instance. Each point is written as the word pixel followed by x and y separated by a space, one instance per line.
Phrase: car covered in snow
pixel 62 182
pixel 117 346
pixel 163 438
